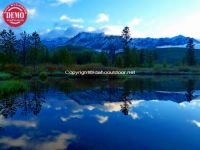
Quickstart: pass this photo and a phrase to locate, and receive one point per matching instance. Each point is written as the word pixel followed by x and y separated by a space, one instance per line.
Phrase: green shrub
pixel 12 87
pixel 43 75
pixel 5 76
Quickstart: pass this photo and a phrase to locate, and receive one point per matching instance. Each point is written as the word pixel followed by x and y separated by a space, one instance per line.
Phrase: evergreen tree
pixel 34 52
pixel 84 57
pixel 119 61
pixel 65 57
pixel 111 53
pixel 103 59
pixel 134 58
pixel 8 43
pixel 126 37
pixel 150 59
pixel 43 54
pixel 190 53
pixel 141 57
pixel 25 43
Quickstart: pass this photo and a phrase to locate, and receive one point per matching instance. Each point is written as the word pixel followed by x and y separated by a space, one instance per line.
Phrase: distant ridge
pixel 100 41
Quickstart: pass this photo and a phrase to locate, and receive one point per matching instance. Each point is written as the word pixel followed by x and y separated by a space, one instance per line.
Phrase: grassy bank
pixel 46 70
pixel 12 87
pixel 5 76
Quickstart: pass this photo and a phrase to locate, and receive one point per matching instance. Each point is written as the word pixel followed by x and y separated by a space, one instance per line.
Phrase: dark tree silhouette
pixel 37 99
pixel 111 53
pixel 25 43
pixel 125 106
pixel 190 53
pixel 126 37
pixel 8 107
pixel 126 102
pixel 8 43
pixel 34 54
pixel 141 57
pixel 190 85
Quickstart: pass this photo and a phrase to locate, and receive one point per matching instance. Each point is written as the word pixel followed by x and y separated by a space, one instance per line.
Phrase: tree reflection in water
pixel 27 102
pixel 8 107
pixel 126 103
pixel 190 86
pixel 37 99
pixel 125 106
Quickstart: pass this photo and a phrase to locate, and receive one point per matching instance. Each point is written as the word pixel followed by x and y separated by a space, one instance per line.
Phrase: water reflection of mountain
pixel 99 96
pixel 90 92
pixel 78 114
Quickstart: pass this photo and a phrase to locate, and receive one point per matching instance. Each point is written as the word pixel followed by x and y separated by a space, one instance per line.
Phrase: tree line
pixel 28 49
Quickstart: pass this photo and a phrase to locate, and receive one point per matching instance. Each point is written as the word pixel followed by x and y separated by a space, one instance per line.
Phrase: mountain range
pixel 100 41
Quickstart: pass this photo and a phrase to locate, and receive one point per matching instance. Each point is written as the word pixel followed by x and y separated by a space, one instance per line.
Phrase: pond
pixel 142 113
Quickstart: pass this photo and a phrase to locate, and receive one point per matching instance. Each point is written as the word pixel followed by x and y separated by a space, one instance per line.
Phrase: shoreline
pixel 114 77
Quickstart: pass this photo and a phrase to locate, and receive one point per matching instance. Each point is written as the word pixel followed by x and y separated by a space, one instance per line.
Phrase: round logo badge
pixel 15 15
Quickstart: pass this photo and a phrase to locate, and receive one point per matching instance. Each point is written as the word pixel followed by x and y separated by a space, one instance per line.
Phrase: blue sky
pixel 146 18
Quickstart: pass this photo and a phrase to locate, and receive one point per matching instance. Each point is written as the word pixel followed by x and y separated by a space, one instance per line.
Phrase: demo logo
pixel 15 15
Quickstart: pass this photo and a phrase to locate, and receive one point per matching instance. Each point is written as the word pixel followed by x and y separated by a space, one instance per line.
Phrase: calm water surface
pixel 143 113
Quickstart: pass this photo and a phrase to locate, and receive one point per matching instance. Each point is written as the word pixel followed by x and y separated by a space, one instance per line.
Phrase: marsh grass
pixel 12 87
pixel 5 76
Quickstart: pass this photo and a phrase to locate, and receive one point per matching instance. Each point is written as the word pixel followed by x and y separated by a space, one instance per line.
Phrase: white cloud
pixel 32 11
pixel 134 115
pixel 17 123
pixel 58 108
pixel 58 28
pixel 71 20
pixel 193 104
pixel 78 26
pixel 134 22
pixel 48 106
pixel 137 33
pixel 65 119
pixel 117 29
pixel 156 28
pixel 42 33
pixel 182 104
pixel 17 142
pixel 64 2
pixel 102 119
pixel 197 123
pixel 90 29
pixel 102 18
pixel 32 2
pixel 60 141
pixel 112 29
pixel 187 25
pixel 115 107
pixel 77 110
